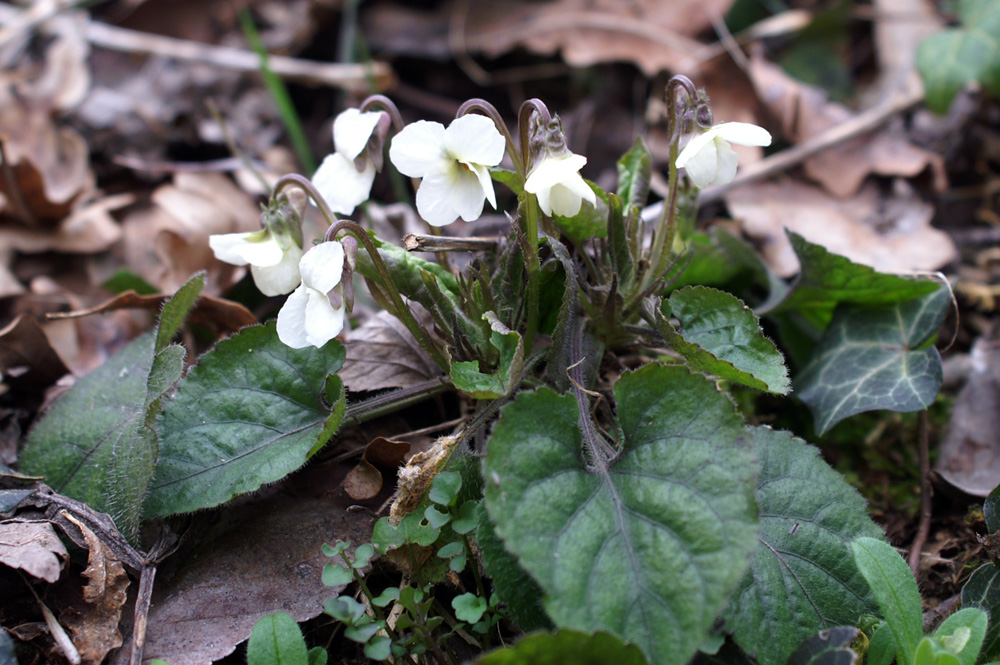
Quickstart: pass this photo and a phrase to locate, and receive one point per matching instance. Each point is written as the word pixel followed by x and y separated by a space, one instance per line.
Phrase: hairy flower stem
pixel 402 311
pixel 386 104
pixel 530 216
pixel 666 229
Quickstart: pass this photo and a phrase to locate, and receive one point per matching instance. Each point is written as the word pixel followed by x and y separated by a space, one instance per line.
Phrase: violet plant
pixel 606 469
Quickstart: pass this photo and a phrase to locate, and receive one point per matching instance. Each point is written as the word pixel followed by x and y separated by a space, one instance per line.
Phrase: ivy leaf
pixel 801 578
pixel 971 53
pixel 827 279
pixel 468 378
pixel 97 443
pixel 635 173
pixel 895 590
pixel 983 591
pixel 277 640
pixel 720 324
pixel 670 519
pixel 828 647
pixel 875 358
pixel 565 646
pixel 249 413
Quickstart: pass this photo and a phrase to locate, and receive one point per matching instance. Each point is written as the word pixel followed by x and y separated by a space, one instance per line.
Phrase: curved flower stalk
pixel 454 165
pixel 314 313
pixel 346 175
pixel 273 253
pixel 708 159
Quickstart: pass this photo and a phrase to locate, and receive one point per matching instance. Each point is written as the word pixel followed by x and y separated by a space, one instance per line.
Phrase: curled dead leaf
pixel 28 362
pixel 32 546
pixel 416 477
pixel 364 481
pixel 382 354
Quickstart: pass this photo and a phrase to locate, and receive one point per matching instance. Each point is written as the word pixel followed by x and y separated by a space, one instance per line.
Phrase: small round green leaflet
pixel 277 640
pixel 647 546
pixel 566 646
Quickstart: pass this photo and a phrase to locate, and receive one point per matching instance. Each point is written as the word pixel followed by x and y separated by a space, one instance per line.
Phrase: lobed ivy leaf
pixel 895 590
pixel 875 358
pixel 249 413
pixel 670 519
pixel 950 59
pixel 720 324
pixel 565 646
pixel 276 639
pixel 831 646
pixel 97 443
pixel 827 279
pixel 801 579
pixel 982 590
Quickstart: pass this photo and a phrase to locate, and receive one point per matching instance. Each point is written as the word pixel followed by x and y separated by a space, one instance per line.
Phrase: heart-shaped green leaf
pixel 646 545
pixel 802 578
pixel 249 413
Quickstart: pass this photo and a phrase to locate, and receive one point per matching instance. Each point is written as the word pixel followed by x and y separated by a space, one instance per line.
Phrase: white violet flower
pixel 314 313
pixel 454 165
pixel 274 262
pixel 558 185
pixel 346 175
pixel 708 158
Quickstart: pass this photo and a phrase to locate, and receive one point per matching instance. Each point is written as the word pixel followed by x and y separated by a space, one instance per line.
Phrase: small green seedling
pixel 957 641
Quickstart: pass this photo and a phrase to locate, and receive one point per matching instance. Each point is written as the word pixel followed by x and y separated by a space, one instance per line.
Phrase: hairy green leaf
pixel 468 378
pixel 249 413
pixel 277 640
pixel 831 646
pixel 670 518
pixel 565 646
pixel 801 579
pixel 827 279
pixel 983 591
pixel 720 324
pixel 875 358
pixel 962 633
pixel 97 443
pixel 635 172
pixel 895 590
pixel 950 59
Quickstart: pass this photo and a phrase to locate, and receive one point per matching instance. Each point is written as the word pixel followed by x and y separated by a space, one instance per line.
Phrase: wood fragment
pixel 415 242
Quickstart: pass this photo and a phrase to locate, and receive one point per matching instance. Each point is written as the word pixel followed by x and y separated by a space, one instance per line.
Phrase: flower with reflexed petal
pixel 558 185
pixel 274 260
pixel 346 175
pixel 708 158
pixel 314 313
pixel 454 165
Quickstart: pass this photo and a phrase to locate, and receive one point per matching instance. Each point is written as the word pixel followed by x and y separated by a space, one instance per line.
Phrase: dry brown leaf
pixel 167 242
pixel 382 354
pixel 804 111
pixel 969 457
pixel 87 230
pixel 890 234
pixel 95 624
pixel 364 481
pixel 899 28
pixel 259 558
pixel 656 36
pixel 32 547
pixel 28 362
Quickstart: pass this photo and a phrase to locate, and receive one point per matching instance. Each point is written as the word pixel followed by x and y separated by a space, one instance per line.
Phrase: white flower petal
pixel 694 146
pixel 701 166
pixel 279 279
pixel 258 248
pixel 292 320
pixel 418 149
pixel 553 171
pixel 467 196
pixel 341 184
pixel 474 139
pixel 727 160
pixel 434 200
pixel 323 320
pixel 351 131
pixel 322 266
pixel 485 183
pixel 743 133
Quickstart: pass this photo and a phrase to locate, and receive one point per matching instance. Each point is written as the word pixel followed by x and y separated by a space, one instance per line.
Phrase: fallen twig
pixel 924 526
